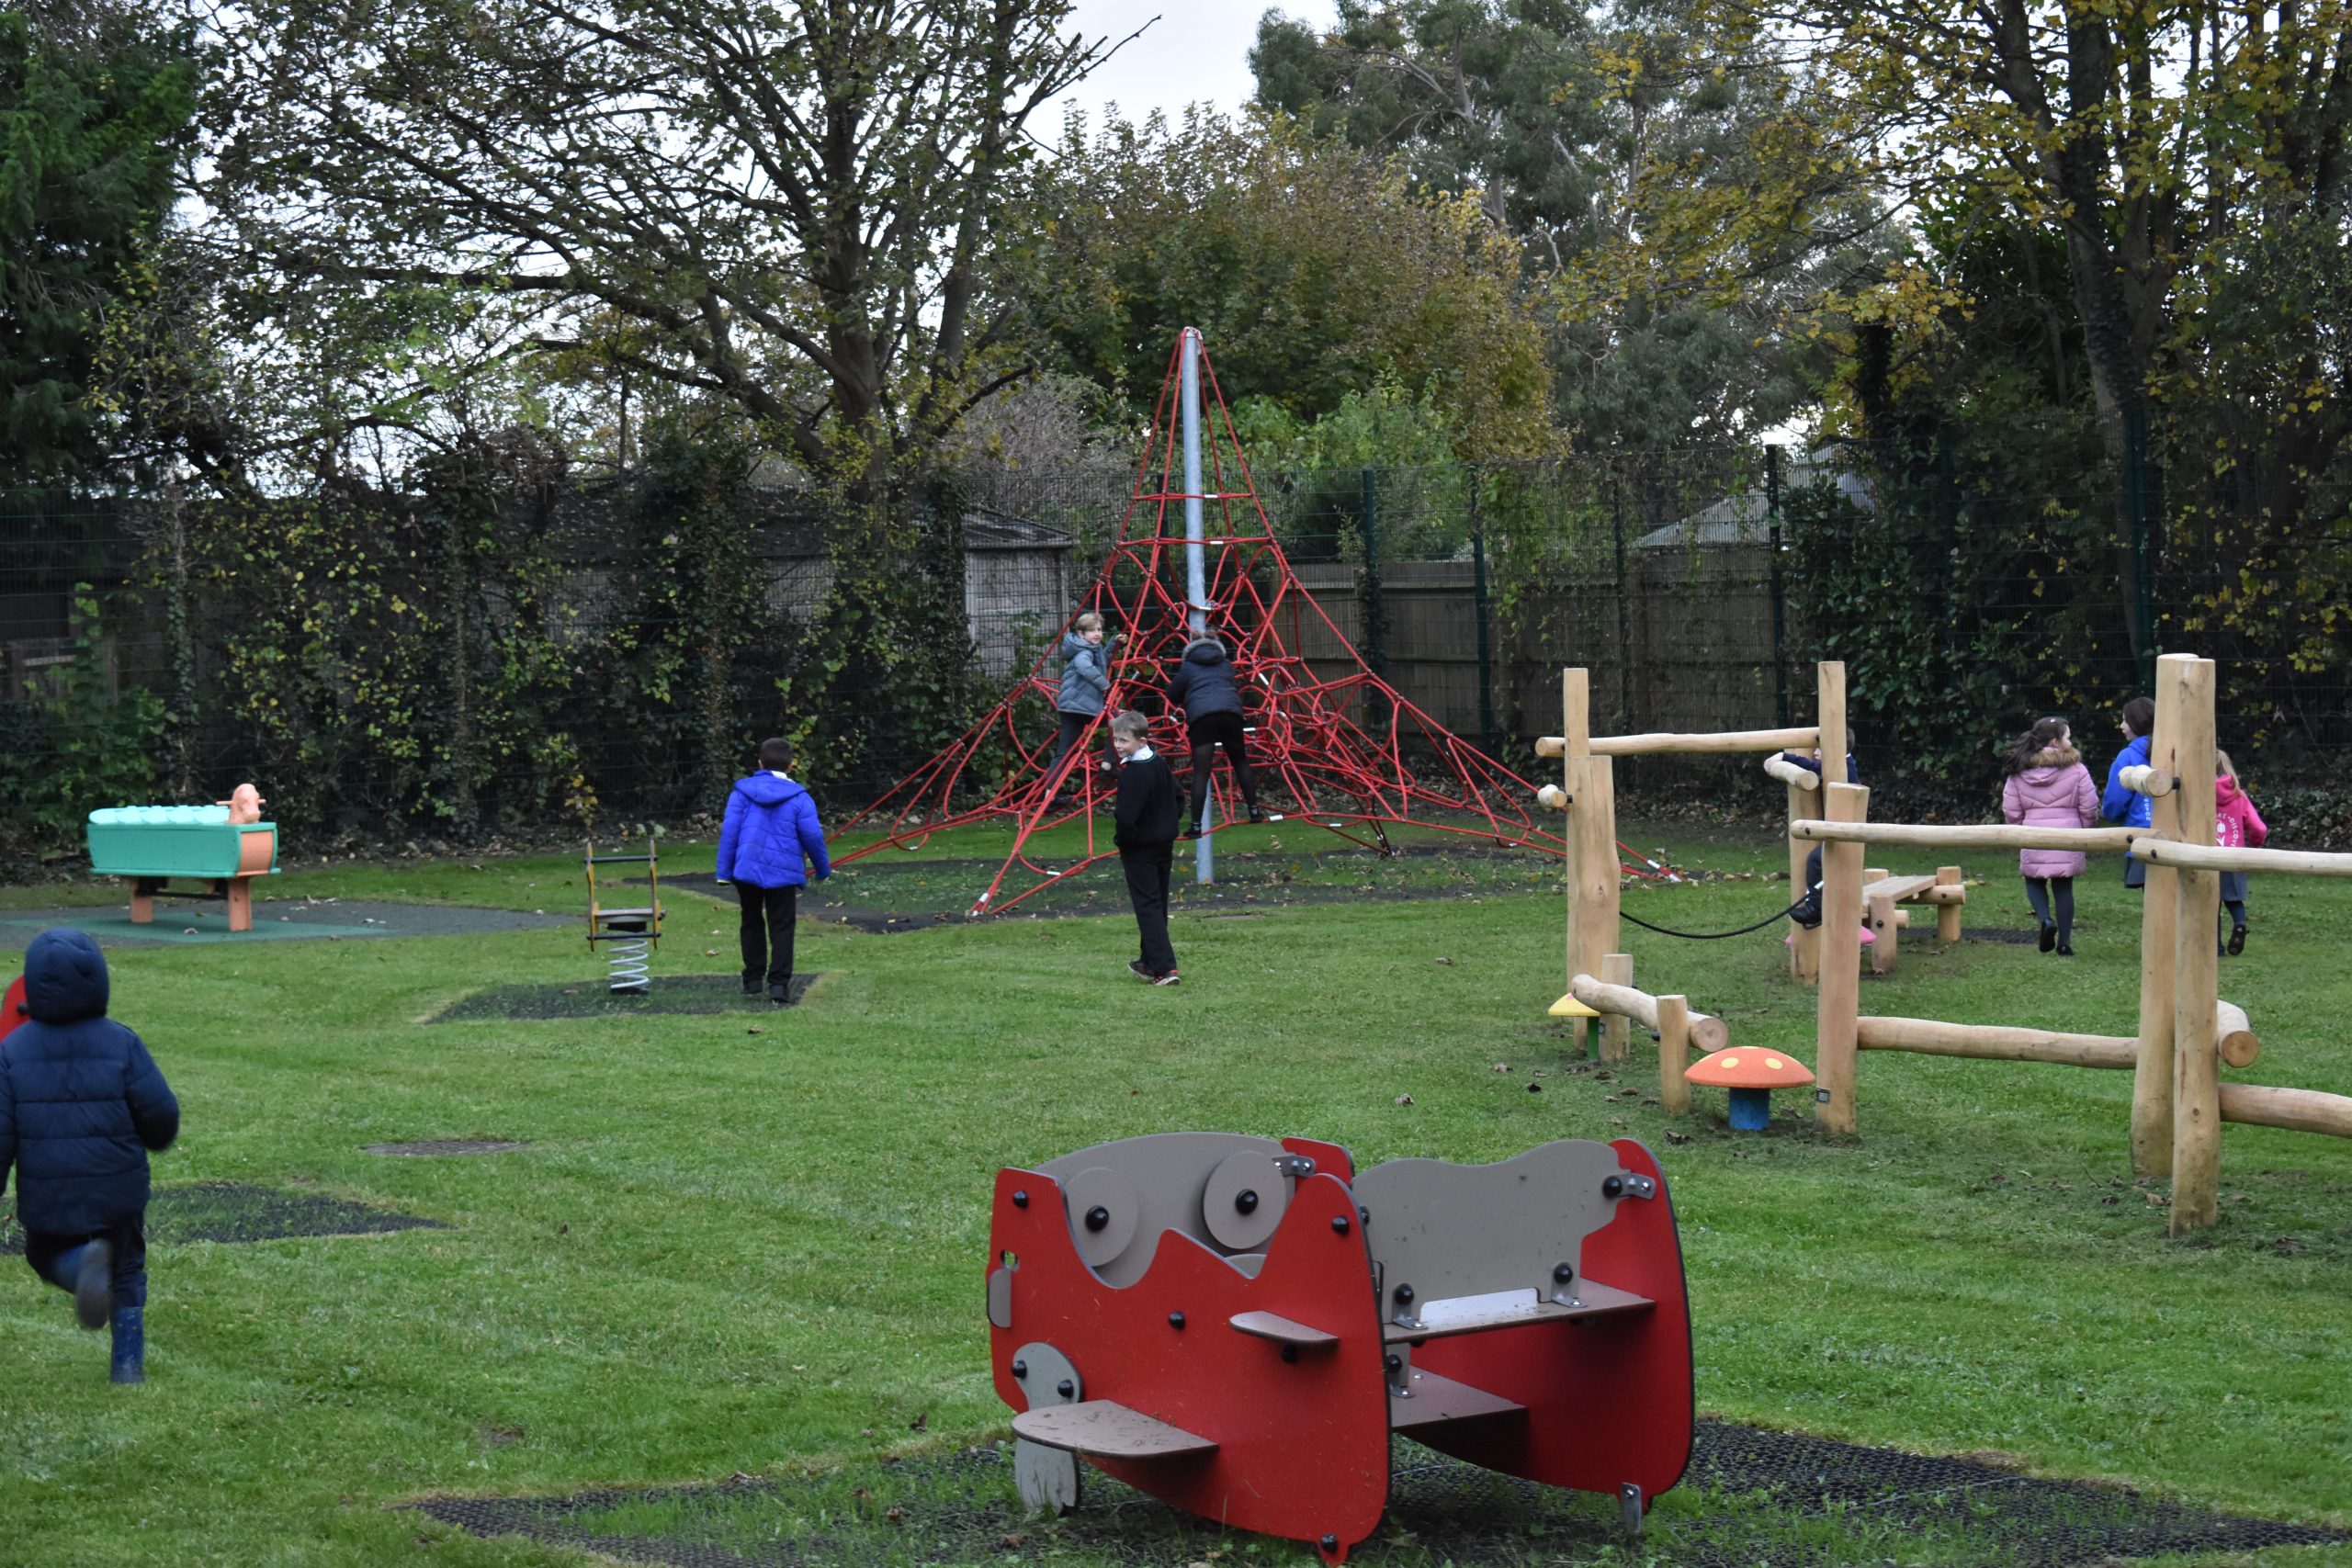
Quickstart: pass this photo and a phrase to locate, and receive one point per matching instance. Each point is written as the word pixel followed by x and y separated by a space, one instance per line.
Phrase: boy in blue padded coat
pixel 766 844
pixel 81 1103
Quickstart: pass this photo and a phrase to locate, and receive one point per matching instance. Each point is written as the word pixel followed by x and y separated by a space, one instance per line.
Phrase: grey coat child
pixel 1086 675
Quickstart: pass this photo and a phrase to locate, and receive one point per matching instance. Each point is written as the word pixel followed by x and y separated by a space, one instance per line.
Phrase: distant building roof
pixel 985 528
pixel 1746 518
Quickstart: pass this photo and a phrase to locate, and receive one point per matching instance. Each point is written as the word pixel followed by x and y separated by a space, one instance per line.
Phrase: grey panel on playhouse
pixel 1046 1478
pixel 1122 1196
pixel 1439 1231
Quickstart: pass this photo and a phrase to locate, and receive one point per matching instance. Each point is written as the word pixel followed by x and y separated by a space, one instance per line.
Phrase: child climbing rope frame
pixel 633 932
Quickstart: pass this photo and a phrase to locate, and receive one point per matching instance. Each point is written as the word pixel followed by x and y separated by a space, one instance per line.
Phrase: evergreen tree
pixel 96 110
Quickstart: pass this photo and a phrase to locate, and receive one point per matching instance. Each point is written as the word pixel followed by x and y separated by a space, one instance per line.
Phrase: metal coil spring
pixel 628 963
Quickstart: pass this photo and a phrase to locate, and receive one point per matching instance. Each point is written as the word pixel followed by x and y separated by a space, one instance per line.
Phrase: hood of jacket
pixel 65 977
pixel 1075 643
pixel 2225 789
pixel 2051 758
pixel 764 788
pixel 1206 651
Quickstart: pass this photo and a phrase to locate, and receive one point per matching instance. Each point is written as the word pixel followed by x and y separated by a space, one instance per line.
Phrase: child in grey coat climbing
pixel 1086 683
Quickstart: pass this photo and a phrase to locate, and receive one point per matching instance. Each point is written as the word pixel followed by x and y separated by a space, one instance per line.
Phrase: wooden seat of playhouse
pixel 1897 888
pixel 1435 1399
pixel 1595 1299
pixel 1104 1428
pixel 1280 1330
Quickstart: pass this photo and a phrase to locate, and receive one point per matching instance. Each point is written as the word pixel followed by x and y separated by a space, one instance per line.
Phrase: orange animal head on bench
pixel 245 804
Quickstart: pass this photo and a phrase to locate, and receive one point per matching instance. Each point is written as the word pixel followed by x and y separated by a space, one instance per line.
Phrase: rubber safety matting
pixel 666 994
pixel 237 1211
pixel 1752 1499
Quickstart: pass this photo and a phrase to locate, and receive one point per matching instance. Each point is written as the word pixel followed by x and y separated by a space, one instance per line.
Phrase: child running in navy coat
pixel 768 842
pixel 81 1104
pixel 1145 830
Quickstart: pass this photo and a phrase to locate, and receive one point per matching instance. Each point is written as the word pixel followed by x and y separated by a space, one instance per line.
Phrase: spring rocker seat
pixel 156 846
pixel 1238 1326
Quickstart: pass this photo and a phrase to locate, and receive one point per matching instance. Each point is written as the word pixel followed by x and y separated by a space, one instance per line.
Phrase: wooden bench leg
pixel 1947 915
pixel 240 892
pixel 1883 928
pixel 142 903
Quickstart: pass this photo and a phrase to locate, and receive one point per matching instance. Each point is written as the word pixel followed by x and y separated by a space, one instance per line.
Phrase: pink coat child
pixel 2055 791
pixel 2236 824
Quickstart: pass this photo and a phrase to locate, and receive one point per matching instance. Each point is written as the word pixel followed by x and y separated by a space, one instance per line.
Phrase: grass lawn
pixel 751 1241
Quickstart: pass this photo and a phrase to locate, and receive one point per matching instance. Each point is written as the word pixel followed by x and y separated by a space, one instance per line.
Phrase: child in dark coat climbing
pixel 2048 787
pixel 81 1104
pixel 1202 688
pixel 1807 909
pixel 1144 828
pixel 766 844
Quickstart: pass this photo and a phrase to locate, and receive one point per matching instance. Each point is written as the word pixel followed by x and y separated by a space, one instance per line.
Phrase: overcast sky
pixel 1197 51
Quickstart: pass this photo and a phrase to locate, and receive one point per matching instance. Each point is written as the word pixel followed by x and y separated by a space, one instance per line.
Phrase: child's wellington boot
pixel 129 1363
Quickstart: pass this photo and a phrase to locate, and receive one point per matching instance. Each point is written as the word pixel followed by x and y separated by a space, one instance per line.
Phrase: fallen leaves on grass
pixel 1404 1099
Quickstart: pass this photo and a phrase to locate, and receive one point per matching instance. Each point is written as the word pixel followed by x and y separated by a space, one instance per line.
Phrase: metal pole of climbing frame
pixel 1196 587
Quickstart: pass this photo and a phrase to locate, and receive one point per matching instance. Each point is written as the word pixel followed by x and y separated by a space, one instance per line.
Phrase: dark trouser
pixel 1073 725
pixel 1209 732
pixel 2135 871
pixel 2233 901
pixel 2038 891
pixel 1147 870
pixel 58 1258
pixel 769 915
pixel 1807 912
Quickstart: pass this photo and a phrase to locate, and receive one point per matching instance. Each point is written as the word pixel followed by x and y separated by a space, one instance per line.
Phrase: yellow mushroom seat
pixel 1751 1073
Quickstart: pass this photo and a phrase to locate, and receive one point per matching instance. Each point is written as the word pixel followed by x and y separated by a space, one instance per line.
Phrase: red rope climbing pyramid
pixel 1341 750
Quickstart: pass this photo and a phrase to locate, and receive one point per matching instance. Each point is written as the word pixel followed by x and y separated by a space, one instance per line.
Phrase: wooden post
pixel 2151 1083
pixel 1616 1031
pixel 1594 872
pixel 2196 1062
pixel 240 891
pixel 1947 915
pixel 1576 745
pixel 1883 946
pixel 1673 1054
pixel 1830 679
pixel 1840 997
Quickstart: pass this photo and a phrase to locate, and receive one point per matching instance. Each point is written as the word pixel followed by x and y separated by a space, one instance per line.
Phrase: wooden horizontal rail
pixel 1555 796
pixel 2214 857
pixel 1982 836
pixel 1726 742
pixel 2234 1035
pixel 1708 1032
pixel 1789 773
pixel 2297 1110
pixel 2153 783
pixel 1933 1037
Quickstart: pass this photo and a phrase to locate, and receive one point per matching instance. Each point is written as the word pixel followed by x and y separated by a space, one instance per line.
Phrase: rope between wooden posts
pixel 1714 936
